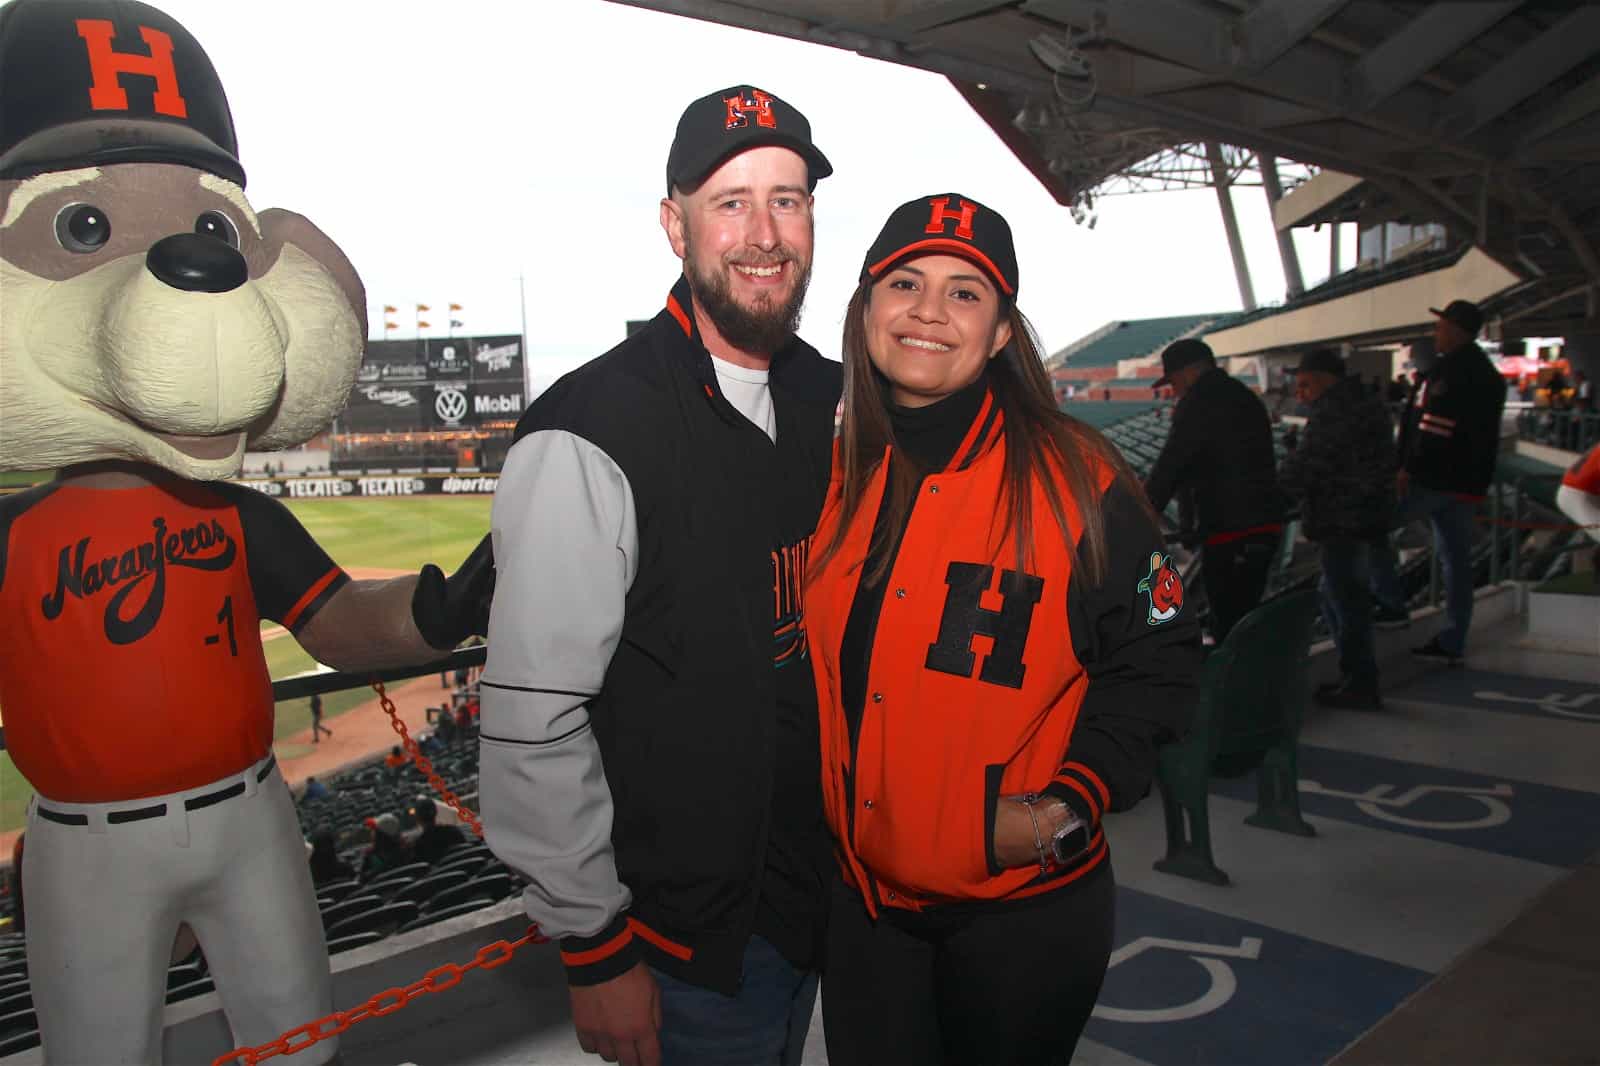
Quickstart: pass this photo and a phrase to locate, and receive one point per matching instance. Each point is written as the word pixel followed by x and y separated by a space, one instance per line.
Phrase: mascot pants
pixel 105 898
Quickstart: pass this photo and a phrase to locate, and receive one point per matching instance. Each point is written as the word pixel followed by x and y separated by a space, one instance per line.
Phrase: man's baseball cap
pixel 1463 313
pixel 725 123
pixel 946 224
pixel 424 809
pixel 94 82
pixel 1180 354
pixel 1321 360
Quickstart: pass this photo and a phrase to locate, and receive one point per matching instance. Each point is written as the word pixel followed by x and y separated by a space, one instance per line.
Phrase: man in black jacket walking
pixel 650 735
pixel 1449 441
pixel 1343 474
pixel 1220 451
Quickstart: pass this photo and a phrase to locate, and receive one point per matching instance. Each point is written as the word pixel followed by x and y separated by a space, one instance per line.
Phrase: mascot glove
pixel 448 610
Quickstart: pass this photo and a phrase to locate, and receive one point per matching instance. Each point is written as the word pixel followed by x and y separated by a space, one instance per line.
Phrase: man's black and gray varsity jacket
pixel 1450 437
pixel 649 745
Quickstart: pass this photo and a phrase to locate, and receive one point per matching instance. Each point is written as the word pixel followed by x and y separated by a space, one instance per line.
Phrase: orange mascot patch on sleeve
pixel 1164 587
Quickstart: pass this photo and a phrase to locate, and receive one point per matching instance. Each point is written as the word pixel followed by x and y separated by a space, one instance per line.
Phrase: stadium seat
pixel 13 952
pixel 21 1041
pixel 337 890
pixel 1253 690
pixel 16 1001
pixel 465 863
pixel 382 920
pixel 352 906
pixel 12 986
pixel 182 974
pixel 451 896
pixel 477 903
pixel 18 1021
pixel 398 873
pixel 354 940
pixel 189 989
pixel 14 968
pixel 497 885
pixel 424 889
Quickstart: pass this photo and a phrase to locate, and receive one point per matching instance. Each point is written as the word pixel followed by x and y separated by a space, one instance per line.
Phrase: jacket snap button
pixel 899 594
pixel 868 805
pixel 877 697
pixel 893 896
pixel 933 488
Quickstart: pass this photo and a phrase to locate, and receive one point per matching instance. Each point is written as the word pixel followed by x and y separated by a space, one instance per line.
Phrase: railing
pixel 1569 430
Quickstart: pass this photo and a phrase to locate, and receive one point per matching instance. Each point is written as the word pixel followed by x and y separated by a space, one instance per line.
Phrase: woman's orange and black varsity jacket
pixel 982 682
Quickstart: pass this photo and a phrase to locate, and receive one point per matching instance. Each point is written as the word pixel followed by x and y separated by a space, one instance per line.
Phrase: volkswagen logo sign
pixel 450 405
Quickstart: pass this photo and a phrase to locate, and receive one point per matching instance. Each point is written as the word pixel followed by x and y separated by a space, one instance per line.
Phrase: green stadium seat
pixel 1253 690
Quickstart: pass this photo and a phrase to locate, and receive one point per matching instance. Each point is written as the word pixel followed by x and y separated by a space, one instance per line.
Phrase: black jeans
pixel 1235 576
pixel 1347 607
pixel 984 983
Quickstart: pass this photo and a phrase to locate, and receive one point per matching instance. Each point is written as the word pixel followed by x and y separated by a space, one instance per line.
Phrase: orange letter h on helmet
pixel 941 212
pixel 108 65
pixel 740 110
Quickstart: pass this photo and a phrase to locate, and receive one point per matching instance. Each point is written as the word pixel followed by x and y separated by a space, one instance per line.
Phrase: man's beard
pixel 764 328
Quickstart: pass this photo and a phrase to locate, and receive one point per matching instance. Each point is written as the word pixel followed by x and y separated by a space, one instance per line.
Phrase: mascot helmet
pixel 98 82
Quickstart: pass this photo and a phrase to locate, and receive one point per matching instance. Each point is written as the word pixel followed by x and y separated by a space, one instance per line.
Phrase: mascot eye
pixel 218 225
pixel 82 228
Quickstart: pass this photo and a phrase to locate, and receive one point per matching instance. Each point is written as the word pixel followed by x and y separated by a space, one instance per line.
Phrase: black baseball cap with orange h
pixel 722 124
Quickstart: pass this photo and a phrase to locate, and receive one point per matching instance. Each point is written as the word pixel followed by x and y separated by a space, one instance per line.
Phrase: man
pixel 1220 451
pixel 1449 439
pixel 1343 474
pixel 649 735
pixel 317 728
pixel 315 790
pixel 431 844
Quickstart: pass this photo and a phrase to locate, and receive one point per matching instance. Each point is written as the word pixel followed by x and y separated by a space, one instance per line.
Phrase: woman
pixel 999 645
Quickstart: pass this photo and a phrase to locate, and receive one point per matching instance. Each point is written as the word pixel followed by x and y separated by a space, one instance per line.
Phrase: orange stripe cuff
pixel 603 951
pixel 1094 779
pixel 293 617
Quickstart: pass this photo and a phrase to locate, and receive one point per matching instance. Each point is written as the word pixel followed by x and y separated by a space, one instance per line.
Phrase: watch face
pixel 1069 842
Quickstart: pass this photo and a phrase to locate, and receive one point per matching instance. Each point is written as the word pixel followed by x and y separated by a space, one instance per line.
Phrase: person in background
pixel 387 850
pixel 1342 472
pixel 317 728
pixel 1219 450
pixel 1000 646
pixel 1449 441
pixel 395 761
pixel 431 844
pixel 315 790
pixel 325 863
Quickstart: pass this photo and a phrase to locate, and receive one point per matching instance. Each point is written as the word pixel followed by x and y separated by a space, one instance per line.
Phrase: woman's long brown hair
pixel 1041 440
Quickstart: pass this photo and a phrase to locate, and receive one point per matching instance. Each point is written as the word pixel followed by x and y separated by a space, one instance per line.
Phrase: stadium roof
pixel 1129 339
pixel 1484 116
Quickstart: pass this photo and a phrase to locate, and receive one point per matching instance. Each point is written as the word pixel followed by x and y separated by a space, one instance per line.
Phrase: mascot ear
pixel 321 305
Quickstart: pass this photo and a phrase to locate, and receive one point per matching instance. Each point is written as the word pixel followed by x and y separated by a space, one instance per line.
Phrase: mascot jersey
pixel 130 649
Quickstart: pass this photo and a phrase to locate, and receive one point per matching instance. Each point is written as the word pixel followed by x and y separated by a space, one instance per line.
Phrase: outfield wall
pixel 375 484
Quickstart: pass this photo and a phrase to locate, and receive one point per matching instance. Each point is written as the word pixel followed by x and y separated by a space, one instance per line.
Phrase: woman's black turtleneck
pixel 927 437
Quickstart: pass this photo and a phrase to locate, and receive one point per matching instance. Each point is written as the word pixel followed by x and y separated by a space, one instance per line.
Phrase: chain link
pixel 388 1001
pixel 423 763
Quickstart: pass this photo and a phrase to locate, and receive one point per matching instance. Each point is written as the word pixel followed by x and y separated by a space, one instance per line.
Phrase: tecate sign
pixel 319 486
pixel 391 486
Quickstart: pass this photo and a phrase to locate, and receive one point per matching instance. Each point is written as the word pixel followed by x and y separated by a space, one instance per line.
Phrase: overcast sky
pixel 453 148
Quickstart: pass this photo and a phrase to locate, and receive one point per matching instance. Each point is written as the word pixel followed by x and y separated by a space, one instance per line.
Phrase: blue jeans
pixel 1347 607
pixel 1451 518
pixel 764 1025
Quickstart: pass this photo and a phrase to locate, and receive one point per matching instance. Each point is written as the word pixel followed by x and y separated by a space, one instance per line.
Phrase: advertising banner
pixel 357 487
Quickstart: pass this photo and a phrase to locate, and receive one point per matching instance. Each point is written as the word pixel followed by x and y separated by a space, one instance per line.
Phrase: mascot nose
pixel 195 262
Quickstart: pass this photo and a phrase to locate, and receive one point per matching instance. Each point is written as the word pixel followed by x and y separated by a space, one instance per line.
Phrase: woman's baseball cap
pixel 946 224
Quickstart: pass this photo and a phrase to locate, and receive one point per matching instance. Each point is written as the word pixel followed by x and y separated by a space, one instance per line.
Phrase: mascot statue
pixel 152 327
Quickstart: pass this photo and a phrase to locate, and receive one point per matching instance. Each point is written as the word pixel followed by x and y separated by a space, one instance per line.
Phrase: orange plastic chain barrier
pixel 386 1002
pixel 468 817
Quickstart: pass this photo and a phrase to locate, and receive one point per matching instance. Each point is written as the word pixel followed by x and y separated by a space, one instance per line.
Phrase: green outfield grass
pixel 400 533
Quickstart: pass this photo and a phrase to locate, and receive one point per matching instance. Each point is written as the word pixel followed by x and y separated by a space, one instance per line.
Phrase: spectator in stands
pixel 317 728
pixel 972 908
pixel 1220 451
pixel 1448 443
pixel 387 850
pixel 1582 393
pixel 1558 389
pixel 435 839
pixel 646 762
pixel 325 863
pixel 1342 473
pixel 395 760
pixel 445 727
pixel 315 790
pixel 1399 389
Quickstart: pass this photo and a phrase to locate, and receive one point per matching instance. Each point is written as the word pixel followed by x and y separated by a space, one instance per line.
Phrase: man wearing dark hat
pixel 1343 475
pixel 1219 452
pixel 650 750
pixel 1448 442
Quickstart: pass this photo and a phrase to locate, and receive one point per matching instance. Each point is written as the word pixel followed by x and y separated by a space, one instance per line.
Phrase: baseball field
pixel 370 537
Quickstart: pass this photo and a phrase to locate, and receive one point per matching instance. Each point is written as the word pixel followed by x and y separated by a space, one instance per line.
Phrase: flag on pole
pixel 455 307
pixel 390 310
pixel 387 325
pixel 424 307
pixel 423 325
